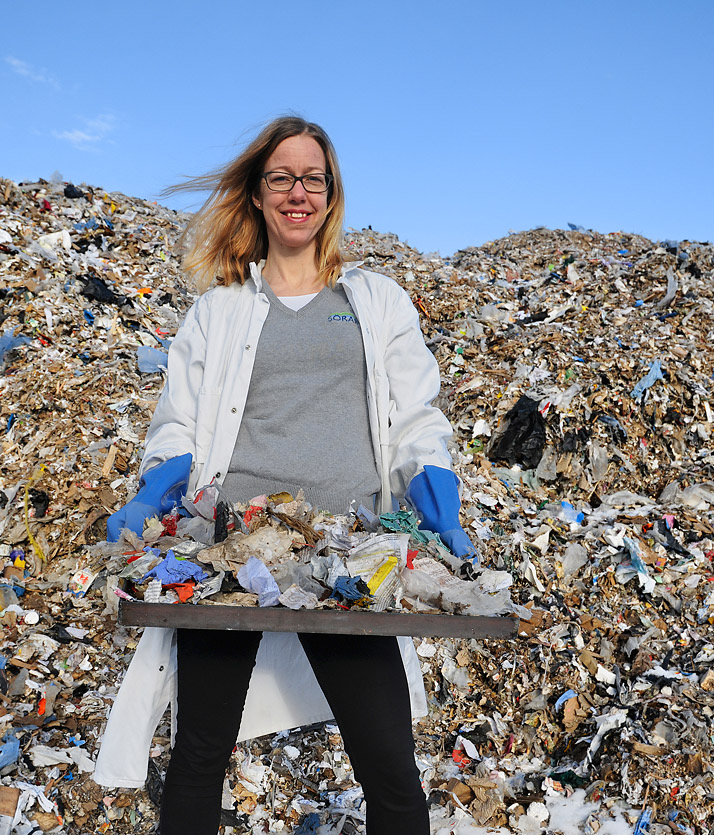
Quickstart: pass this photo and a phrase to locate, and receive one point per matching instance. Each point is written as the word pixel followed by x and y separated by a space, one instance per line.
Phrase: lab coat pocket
pixel 392 410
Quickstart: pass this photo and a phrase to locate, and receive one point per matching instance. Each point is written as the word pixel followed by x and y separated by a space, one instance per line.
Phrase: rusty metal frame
pixel 256 619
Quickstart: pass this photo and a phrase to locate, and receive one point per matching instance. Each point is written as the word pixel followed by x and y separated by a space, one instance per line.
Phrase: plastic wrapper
pixel 431 582
pixel 378 562
pixel 255 577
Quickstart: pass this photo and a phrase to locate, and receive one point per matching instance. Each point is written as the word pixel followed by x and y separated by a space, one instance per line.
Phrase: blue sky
pixel 455 122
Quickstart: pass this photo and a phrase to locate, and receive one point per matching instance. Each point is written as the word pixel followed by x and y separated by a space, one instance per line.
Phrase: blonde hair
pixel 228 231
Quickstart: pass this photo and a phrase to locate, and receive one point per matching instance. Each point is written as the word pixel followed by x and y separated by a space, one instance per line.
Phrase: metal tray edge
pixel 255 619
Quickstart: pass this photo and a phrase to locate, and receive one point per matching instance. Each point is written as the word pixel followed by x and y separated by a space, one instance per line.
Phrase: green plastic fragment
pixel 569 778
pixel 405 521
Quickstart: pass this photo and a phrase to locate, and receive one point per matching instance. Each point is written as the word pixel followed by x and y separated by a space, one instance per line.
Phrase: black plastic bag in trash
pixel 521 436
pixel 40 502
pixel 154 784
pixel 222 520
pixel 95 288
pixel 73 192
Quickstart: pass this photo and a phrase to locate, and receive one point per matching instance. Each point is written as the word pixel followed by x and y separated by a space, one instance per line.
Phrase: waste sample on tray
pixel 279 551
pixel 577 373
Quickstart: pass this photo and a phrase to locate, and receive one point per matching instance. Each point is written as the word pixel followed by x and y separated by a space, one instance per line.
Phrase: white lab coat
pixel 200 410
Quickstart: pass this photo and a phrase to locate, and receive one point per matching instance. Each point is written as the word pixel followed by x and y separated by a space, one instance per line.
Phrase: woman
pixel 298 371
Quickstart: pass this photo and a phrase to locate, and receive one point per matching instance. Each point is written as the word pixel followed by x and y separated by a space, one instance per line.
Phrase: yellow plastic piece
pixel 379 576
pixel 34 478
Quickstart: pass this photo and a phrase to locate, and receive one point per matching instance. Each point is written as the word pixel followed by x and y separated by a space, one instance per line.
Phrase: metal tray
pixel 255 619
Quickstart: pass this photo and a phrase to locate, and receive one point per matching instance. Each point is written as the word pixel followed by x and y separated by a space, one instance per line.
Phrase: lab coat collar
pixel 256 274
pixel 348 268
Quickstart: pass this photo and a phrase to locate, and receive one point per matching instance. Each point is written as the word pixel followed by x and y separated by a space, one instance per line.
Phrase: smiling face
pixel 293 218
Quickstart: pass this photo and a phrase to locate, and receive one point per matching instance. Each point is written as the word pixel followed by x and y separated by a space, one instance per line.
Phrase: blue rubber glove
pixel 160 489
pixel 434 494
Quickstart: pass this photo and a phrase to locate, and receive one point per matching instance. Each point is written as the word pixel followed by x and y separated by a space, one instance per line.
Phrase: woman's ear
pixel 256 202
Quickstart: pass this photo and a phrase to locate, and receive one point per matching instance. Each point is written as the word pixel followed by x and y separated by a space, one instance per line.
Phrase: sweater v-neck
pixel 283 308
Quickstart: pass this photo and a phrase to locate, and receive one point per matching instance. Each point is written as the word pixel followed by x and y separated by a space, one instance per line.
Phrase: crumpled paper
pixel 267 543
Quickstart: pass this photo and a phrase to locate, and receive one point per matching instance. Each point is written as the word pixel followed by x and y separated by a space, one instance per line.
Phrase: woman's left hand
pixel 434 494
pixel 459 543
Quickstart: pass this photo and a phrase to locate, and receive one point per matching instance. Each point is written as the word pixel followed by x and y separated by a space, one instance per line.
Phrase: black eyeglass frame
pixel 328 180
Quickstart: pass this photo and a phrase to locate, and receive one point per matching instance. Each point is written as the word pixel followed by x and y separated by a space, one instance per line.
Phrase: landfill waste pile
pixel 577 373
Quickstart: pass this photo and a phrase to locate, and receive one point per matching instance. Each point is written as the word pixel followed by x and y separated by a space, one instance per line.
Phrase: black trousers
pixel 364 682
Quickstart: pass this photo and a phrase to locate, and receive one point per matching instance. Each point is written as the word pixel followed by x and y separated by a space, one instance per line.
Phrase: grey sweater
pixel 306 423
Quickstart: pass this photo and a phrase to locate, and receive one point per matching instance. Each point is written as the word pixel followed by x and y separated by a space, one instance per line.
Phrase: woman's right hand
pixel 161 488
pixel 131 516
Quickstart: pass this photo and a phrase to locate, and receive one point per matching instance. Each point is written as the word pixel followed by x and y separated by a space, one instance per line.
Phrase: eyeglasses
pixel 282 181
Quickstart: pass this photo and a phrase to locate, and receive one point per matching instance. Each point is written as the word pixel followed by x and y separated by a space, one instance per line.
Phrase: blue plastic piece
pixel 636 559
pixel 8 341
pixel 151 360
pixel 643 822
pixel 608 420
pixel 350 588
pixel 174 570
pixel 309 824
pixel 434 494
pixel 571 514
pixel 86 225
pixel 9 750
pixel 564 698
pixel 160 489
pixel 654 374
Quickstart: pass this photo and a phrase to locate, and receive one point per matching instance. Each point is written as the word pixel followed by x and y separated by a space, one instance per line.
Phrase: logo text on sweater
pixel 342 317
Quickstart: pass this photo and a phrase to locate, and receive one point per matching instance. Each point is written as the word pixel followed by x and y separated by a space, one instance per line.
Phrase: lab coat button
pixel 234 410
pixel 217 475
pixel 247 347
